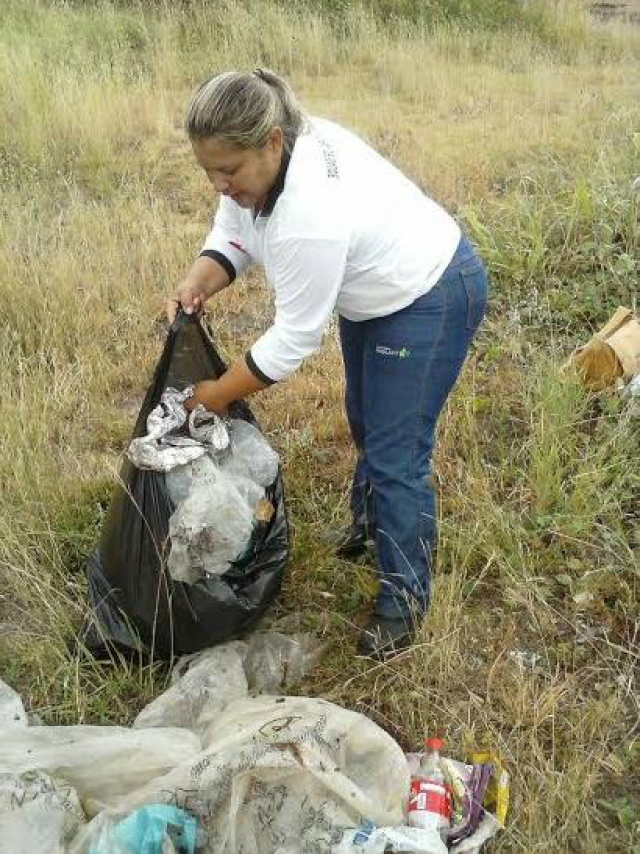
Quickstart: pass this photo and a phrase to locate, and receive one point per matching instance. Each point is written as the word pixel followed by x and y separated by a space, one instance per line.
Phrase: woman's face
pixel 244 174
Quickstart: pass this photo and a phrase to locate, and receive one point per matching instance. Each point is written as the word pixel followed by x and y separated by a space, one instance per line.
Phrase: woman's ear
pixel 275 140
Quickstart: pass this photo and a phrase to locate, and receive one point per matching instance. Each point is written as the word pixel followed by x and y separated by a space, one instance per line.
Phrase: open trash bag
pixel 137 606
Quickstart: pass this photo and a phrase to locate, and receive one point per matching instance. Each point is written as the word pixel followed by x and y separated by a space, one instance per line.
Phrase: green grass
pixel 524 122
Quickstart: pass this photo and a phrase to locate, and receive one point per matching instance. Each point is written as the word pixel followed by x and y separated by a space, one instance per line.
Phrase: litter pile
pixel 216 478
pixel 211 767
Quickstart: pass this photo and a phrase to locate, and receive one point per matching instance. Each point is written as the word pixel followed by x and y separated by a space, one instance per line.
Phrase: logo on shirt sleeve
pixel 237 246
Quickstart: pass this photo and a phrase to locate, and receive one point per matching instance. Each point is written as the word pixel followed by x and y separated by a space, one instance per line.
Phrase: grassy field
pixel 524 121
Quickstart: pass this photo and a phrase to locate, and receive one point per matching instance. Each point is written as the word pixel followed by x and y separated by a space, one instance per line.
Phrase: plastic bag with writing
pixel 284 774
pixel 104 764
pixel 38 815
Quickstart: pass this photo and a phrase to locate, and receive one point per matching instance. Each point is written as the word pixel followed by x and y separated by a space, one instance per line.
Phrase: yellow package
pixel 496 799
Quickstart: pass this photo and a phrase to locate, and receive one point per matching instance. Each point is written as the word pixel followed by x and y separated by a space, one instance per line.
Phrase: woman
pixel 337 227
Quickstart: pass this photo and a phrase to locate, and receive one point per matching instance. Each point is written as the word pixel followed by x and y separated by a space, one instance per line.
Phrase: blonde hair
pixel 241 109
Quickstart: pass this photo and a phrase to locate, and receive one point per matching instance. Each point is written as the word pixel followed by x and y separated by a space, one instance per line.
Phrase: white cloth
pixel 348 232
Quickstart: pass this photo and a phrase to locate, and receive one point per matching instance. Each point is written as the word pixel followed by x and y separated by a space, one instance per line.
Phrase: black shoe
pixel 383 637
pixel 351 541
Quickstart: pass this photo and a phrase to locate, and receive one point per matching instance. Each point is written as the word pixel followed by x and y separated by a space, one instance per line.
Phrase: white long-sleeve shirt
pixel 347 231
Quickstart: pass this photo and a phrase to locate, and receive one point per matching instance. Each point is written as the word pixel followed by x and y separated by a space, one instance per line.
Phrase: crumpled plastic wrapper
pixel 252 457
pixel 215 478
pixel 161 451
pixel 209 529
pixel 216 498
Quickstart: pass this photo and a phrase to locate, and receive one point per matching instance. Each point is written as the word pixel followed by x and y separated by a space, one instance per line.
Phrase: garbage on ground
pixel 154 829
pixel 210 769
pixel 176 572
pixel 612 353
pixel 104 764
pixel 452 807
pixel 11 708
pixel 279 664
pixel 463 803
pixel 38 815
pixel 267 773
pixel 204 683
pixel 525 659
pixel 369 839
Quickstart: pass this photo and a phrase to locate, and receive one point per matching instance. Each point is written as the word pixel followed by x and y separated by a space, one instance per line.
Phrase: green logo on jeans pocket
pixel 387 351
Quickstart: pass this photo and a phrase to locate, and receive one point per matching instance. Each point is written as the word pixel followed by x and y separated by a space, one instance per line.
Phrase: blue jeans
pixel 399 371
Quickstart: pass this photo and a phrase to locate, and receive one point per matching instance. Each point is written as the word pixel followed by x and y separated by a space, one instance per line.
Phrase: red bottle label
pixel 430 796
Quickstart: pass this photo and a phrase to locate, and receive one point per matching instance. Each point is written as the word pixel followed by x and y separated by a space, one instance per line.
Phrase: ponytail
pixel 242 108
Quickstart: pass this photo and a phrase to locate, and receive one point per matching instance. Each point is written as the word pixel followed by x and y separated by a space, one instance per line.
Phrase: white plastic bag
pixel 209 529
pixel 275 662
pixel 285 774
pixel 215 501
pixel 179 480
pixel 38 815
pixel 12 711
pixel 203 685
pixel 103 763
pixel 252 456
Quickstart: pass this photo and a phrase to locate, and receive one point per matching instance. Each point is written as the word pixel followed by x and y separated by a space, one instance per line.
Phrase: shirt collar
pixel 276 190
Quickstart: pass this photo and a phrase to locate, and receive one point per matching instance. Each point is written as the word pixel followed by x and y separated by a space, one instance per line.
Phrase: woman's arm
pixel 223 257
pixel 216 395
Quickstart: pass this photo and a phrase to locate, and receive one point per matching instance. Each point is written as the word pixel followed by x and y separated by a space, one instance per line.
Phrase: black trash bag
pixel 136 606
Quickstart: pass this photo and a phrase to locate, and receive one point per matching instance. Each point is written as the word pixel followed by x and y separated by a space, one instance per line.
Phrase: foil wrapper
pixel 162 449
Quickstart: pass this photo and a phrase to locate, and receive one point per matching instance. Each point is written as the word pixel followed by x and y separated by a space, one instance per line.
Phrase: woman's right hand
pixel 205 278
pixel 188 296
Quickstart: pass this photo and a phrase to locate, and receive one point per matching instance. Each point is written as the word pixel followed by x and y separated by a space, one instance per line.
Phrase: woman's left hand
pixel 216 395
pixel 207 393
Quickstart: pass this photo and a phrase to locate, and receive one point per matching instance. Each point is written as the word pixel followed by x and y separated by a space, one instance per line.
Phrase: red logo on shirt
pixel 237 246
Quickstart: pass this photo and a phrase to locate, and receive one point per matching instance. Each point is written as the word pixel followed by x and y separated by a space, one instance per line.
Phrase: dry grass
pixel 530 136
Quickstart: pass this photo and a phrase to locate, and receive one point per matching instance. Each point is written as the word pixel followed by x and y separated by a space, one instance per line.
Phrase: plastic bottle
pixel 430 800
